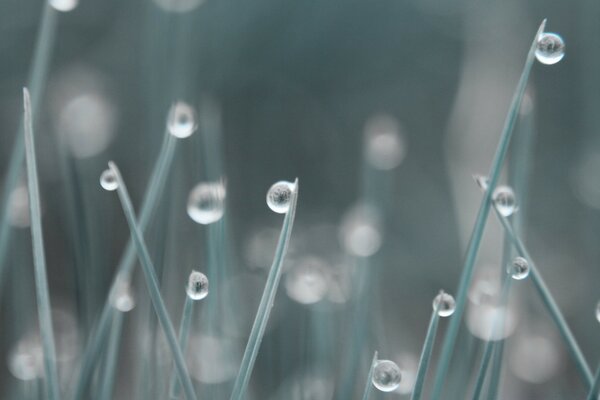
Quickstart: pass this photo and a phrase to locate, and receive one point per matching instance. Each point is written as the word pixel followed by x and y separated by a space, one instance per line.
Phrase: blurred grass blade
pixel 369 383
pixel 550 304
pixel 477 234
pixel 153 287
pixel 184 334
pixel 151 198
pixel 110 365
pixel 266 302
pixel 39 259
pixel 425 355
pixel 36 82
pixel 595 387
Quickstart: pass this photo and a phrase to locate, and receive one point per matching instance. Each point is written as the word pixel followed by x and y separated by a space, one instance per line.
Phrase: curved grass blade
pixel 39 259
pixel 126 264
pixel 369 384
pixel 477 234
pixel 595 389
pixel 184 334
pixel 550 304
pixel 425 355
pixel 110 365
pixel 37 79
pixel 153 287
pixel 266 302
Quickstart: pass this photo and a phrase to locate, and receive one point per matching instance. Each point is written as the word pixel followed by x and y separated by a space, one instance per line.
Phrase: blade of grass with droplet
pixel 550 304
pixel 595 389
pixel 425 355
pixel 39 259
pixel 112 355
pixel 36 82
pixel 184 334
pixel 126 264
pixel 153 287
pixel 266 301
pixel 477 233
pixel 369 383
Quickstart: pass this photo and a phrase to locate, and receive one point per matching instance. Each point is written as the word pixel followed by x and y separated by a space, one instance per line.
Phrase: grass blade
pixel 266 302
pixel 369 384
pixel 153 287
pixel 477 234
pixel 550 304
pixel 110 366
pixel 126 264
pixel 595 387
pixel 425 355
pixel 184 334
pixel 39 259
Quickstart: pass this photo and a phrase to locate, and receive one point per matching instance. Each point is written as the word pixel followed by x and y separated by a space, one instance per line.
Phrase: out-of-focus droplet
pixel 122 297
pixel 18 204
pixel 518 268
pixel 212 359
pixel 408 364
pixel 550 48
pixel 206 202
pixel 482 182
pixel 25 360
pixel 197 287
pixel 505 200
pixel 535 358
pixel 181 121
pixel 63 5
pixel 386 375
pixel 481 320
pixel 178 6
pixel 598 311
pixel 108 180
pixel 279 196
pixel 444 304
pixel 360 231
pixel 307 280
pixel 385 146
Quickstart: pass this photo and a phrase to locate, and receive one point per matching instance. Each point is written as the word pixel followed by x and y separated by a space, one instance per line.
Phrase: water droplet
pixel 519 268
pixel 108 180
pixel 279 196
pixel 63 5
pixel 122 297
pixel 206 202
pixel 197 287
pixel 505 201
pixel 181 121
pixel 598 311
pixel 444 304
pixel 386 375
pixel 385 146
pixel 482 182
pixel 25 360
pixel 307 281
pixel 360 231
pixel 550 48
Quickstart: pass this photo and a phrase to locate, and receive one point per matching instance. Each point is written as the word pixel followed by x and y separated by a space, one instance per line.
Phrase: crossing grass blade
pixel 595 387
pixel 184 334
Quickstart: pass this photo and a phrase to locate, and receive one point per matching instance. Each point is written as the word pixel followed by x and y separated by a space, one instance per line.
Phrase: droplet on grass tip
pixel 206 202
pixel 518 268
pixel 505 200
pixel 279 196
pixel 444 304
pixel 386 375
pixel 108 180
pixel 63 5
pixel 482 182
pixel 197 287
pixel 181 121
pixel 550 48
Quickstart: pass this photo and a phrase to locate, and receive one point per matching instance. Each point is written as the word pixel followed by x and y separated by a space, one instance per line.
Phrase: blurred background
pixel 384 110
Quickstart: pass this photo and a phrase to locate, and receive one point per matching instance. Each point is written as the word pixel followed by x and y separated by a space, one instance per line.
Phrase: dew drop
pixel 181 121
pixel 108 180
pixel 386 375
pixel 518 269
pixel 63 5
pixel 279 196
pixel 505 201
pixel 206 202
pixel 197 287
pixel 307 281
pixel 444 304
pixel 550 48
pixel 122 297
pixel 360 231
pixel 482 182
pixel 598 311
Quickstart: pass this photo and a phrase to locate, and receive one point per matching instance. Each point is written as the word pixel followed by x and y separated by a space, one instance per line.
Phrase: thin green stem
pixel 496 370
pixel 39 259
pixel 593 395
pixel 153 287
pixel 369 383
pixel 425 355
pixel 266 302
pixel 127 263
pixel 110 366
pixel 184 334
pixel 550 304
pixel 477 234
